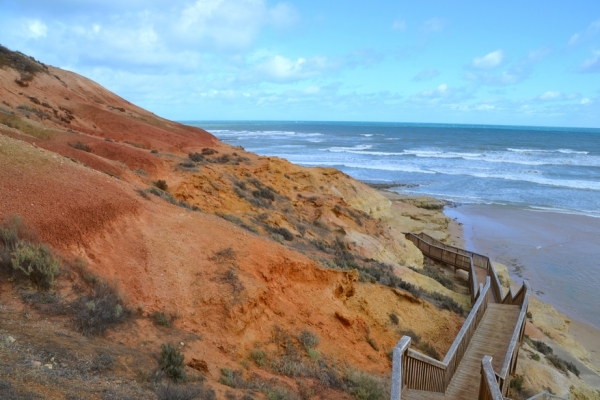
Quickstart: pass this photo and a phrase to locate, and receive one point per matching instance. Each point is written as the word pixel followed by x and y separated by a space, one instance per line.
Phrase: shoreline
pixel 463 233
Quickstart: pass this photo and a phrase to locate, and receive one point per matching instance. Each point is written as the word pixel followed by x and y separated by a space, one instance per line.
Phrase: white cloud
pixel 580 37
pixel 426 74
pixel 591 65
pixel 36 29
pixel 516 73
pixel 550 96
pixel 489 61
pixel 283 69
pixel 586 100
pixel 433 25
pixel 399 25
pixel 283 15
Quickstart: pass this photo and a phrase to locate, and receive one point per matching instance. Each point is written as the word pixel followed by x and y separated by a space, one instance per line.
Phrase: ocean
pixel 524 173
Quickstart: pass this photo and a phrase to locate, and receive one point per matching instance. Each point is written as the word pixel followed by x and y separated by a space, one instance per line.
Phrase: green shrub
pixel 542 347
pixel 432 272
pixel 308 339
pixel 100 310
pixel 180 392
pixel 171 363
pixel 562 365
pixel 36 264
pixel 517 383
pixel 232 378
pixel 161 319
pixel 366 387
pixel 259 357
pixel 446 302
pixel 535 357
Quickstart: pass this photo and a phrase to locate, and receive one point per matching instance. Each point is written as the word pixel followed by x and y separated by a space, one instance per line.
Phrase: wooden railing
pixel 453 256
pixel 510 360
pixel 414 370
pixel 488 388
pixel 433 247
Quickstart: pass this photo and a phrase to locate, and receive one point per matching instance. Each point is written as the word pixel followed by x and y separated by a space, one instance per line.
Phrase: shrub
pixel 208 152
pixel 103 362
pixel 436 275
pixel 394 318
pixel 154 151
pixel 226 254
pixel 259 357
pixel 9 239
pixel 36 264
pixel 517 383
pixel 535 357
pixel 100 310
pixel 373 343
pixel 81 146
pixel 542 347
pixel 161 319
pixel 265 193
pixel 286 234
pixel 366 387
pixel 428 349
pixel 409 332
pixel 171 363
pixel 196 157
pixel 161 184
pixel 231 378
pixel 308 339
pixel 446 302
pixel 179 392
pixel 564 366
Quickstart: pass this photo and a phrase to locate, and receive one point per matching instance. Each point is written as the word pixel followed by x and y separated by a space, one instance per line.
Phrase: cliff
pixel 241 254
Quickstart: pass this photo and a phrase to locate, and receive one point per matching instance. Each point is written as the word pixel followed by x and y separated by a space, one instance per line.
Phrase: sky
pixel 448 61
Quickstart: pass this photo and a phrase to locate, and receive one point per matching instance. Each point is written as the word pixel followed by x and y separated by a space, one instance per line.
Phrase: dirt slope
pixel 238 248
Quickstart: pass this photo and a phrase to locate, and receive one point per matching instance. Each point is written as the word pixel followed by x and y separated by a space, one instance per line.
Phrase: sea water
pixel 533 169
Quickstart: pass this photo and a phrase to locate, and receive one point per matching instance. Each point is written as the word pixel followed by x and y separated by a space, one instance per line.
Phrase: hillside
pixel 270 278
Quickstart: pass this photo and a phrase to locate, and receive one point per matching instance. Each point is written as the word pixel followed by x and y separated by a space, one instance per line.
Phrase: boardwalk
pixel 494 328
pixel 492 339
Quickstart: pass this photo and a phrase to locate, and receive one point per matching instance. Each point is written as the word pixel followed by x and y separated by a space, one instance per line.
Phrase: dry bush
pixel 81 146
pixel 101 309
pixel 35 264
pixel 171 363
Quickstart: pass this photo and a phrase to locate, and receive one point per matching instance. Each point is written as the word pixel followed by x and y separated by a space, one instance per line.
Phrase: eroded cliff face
pixel 237 247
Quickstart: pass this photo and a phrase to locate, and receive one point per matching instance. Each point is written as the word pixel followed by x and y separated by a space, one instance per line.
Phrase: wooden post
pixel 399 351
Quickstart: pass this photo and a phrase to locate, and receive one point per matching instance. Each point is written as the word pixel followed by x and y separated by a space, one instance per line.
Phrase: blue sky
pixel 504 62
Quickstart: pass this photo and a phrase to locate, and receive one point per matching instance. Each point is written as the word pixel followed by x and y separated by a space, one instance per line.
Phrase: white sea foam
pixel 587 213
pixel 349 149
pixel 366 134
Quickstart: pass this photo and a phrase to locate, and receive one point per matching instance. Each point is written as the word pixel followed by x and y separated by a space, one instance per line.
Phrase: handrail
pixel 510 361
pixel 413 365
pixel 488 389
pixel 477 260
pixel 397 370
pixel 439 252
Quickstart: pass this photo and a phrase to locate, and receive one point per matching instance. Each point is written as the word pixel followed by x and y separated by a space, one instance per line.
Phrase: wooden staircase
pixel 484 353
